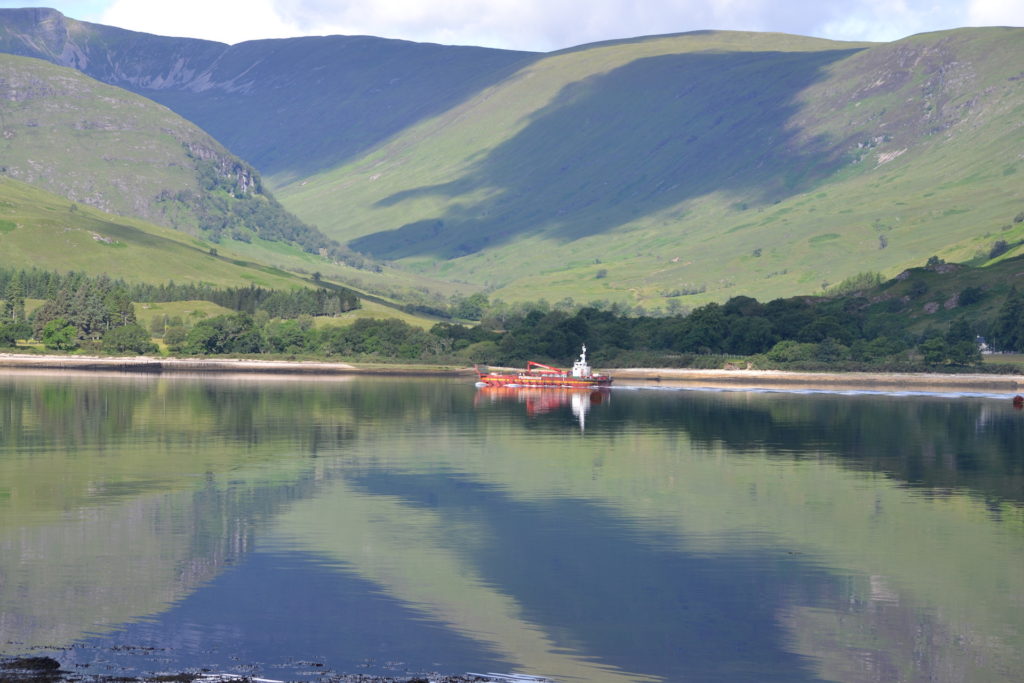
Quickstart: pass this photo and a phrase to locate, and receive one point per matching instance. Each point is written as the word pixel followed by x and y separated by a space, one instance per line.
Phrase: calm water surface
pixel 295 528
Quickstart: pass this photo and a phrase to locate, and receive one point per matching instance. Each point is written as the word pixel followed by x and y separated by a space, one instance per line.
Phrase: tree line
pixel 799 331
pixel 787 333
pixel 99 311
pixel 845 332
pixel 36 283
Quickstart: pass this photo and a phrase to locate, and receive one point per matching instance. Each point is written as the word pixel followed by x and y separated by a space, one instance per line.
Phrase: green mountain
pixel 291 107
pixel 700 166
pixel 663 171
pixel 106 147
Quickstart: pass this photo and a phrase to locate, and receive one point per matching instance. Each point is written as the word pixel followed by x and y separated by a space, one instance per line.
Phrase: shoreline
pixel 681 377
pixel 45 669
pixel 834 381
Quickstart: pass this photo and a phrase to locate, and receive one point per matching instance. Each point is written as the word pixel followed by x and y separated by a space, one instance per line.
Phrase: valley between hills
pixel 655 175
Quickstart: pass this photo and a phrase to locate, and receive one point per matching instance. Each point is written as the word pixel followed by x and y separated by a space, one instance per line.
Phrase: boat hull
pixel 557 381
pixel 539 375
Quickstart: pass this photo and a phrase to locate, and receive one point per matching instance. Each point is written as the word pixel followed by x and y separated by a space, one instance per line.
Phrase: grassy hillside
pixel 103 146
pixel 936 295
pixel 41 229
pixel 47 231
pixel 698 166
pixel 92 143
pixel 291 106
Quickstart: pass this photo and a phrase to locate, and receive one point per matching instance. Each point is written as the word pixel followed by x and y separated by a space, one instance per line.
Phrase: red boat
pixel 539 375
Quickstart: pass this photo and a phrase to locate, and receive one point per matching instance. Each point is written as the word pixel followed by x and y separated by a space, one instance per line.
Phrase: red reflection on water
pixel 540 400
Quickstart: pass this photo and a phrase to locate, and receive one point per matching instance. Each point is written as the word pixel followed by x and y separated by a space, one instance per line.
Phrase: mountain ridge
pixel 663 171
pixel 239 92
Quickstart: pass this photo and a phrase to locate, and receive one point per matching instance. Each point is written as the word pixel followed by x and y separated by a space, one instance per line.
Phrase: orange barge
pixel 539 375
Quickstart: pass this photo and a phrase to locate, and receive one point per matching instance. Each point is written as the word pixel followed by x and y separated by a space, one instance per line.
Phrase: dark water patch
pixel 288 617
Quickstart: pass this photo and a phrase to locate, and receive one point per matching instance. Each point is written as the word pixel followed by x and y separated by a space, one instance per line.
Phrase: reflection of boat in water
pixel 540 400
pixel 538 375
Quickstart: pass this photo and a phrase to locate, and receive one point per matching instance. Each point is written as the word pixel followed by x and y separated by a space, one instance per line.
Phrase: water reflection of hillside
pixel 939 443
pixel 710 523
pixel 120 496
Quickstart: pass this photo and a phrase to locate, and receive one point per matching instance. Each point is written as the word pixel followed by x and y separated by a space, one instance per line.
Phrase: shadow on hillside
pixel 328 99
pixel 628 143
pixel 290 106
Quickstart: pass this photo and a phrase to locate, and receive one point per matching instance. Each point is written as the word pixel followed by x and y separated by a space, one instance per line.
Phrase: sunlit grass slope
pixel 698 166
pixel 105 147
pixel 38 229
pixel 98 145
pixel 49 232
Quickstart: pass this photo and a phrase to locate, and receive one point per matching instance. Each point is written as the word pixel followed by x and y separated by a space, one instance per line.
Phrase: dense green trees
pixel 386 338
pixel 1008 328
pixel 235 333
pixel 800 331
pixel 327 299
pixel 92 305
pixel 14 300
pixel 289 336
pixel 7 336
pixel 324 300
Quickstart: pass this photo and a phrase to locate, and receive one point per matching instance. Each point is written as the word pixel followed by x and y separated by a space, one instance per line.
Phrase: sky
pixel 539 25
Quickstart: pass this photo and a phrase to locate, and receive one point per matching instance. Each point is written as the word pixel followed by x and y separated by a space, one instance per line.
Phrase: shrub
pixel 917 288
pixel 224 334
pixel 934 350
pixel 789 351
pixel 970 295
pixel 129 338
pixel 7 337
pixel 287 336
pixel 58 334
pixel 999 248
pixel 174 337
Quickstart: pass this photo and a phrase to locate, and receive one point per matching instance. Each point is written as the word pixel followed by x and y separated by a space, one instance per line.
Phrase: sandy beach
pixel 725 379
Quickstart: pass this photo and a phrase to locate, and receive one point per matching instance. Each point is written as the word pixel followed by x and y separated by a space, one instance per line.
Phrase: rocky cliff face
pixel 115 56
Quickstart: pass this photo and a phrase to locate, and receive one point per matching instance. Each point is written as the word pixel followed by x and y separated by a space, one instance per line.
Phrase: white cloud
pixel 226 21
pixel 885 20
pixel 995 13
